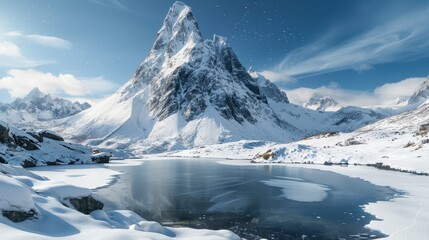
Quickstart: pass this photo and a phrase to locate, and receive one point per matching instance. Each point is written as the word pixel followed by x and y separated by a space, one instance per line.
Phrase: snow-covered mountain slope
pixel 400 141
pixel 412 119
pixel 421 94
pixel 37 106
pixel 320 103
pixel 190 92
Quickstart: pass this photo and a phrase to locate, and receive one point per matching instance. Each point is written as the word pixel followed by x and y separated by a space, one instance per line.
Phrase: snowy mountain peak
pixel 421 94
pixel 177 37
pixel 178 29
pixel 320 103
pixel 33 94
pixel 179 25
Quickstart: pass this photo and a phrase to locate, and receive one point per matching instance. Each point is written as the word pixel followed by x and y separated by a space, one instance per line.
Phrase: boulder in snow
pixel 51 135
pixel 86 204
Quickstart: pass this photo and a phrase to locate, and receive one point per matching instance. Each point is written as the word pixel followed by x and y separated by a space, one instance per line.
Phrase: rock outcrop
pixel 86 204
pixel 28 148
pixel 18 216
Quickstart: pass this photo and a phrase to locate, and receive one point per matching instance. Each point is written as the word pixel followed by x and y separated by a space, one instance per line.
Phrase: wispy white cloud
pixel 44 40
pixel 277 76
pixel 14 34
pixel 49 41
pixel 9 49
pixel 399 39
pixel 11 56
pixel 20 82
pixel 387 94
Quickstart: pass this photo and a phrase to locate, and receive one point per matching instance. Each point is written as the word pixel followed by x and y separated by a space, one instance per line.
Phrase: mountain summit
pixel 187 92
pixel 320 103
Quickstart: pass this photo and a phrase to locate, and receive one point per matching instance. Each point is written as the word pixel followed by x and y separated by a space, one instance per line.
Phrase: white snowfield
pixel 22 190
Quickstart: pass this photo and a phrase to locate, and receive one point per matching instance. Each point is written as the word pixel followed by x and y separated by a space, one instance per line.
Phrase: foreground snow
pixel 24 191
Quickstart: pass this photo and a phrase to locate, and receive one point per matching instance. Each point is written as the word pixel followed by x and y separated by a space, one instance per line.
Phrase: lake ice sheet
pixel 298 190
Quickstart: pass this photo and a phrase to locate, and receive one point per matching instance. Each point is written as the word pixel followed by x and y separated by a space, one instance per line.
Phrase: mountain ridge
pixel 38 106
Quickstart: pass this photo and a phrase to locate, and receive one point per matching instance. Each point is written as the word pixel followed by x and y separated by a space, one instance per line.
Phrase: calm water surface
pixel 206 194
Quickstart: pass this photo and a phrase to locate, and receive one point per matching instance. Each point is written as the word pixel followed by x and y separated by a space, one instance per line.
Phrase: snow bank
pixel 61 190
pixel 85 176
pixel 14 195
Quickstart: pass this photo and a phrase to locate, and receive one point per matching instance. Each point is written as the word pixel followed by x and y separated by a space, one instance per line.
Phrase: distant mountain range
pixel 37 106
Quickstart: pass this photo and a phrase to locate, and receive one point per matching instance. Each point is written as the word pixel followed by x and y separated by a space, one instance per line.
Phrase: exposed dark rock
pixel 86 204
pixel 267 155
pixel 68 147
pixel 51 135
pixel 29 162
pixel 35 135
pixel 25 142
pixel 18 216
pixel 4 134
pixel 2 159
pixel 102 158
pixel 56 162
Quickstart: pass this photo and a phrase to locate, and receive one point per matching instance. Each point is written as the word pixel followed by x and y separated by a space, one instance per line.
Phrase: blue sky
pixel 88 48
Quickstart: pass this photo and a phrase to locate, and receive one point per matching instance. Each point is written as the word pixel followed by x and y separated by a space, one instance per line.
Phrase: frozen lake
pixel 273 202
